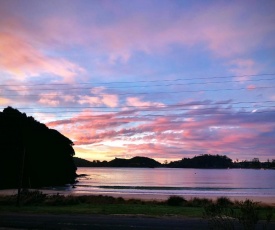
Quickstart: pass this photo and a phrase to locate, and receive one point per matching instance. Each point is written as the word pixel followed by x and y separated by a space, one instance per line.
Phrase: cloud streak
pixel 227 133
pixel 22 60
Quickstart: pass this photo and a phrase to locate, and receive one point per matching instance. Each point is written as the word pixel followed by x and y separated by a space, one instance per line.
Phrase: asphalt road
pixel 94 222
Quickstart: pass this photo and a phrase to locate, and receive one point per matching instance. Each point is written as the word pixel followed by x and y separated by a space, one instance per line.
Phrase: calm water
pixel 164 181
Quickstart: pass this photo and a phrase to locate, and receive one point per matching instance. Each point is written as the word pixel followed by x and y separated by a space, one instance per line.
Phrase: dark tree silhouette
pixel 44 155
pixel 203 161
pixel 138 162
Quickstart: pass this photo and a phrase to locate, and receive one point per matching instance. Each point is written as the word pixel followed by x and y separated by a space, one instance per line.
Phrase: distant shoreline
pixel 205 161
pixel 164 167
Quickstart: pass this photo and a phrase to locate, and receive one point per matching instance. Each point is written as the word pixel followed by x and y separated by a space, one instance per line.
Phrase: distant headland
pixel 205 161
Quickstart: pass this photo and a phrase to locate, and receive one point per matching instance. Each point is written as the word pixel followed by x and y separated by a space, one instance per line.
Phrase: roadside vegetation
pixel 220 214
pixel 225 214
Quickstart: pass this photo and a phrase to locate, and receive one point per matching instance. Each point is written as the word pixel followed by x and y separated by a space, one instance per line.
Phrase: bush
pixel 55 199
pixel 99 199
pixel 176 201
pixel 221 215
pixel 28 197
pixel 8 200
pixel 199 202
pixel 224 202
pixel 248 215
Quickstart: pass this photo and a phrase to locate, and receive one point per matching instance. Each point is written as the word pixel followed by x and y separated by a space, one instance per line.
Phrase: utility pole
pixel 21 176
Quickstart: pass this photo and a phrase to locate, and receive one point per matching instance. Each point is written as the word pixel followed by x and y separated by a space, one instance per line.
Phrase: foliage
pixel 220 214
pixel 43 155
pixel 32 197
pixel 143 162
pixel 176 201
pixel 248 214
pixel 226 215
pixel 203 161
pixel 224 202
pixel 199 202
pixel 219 217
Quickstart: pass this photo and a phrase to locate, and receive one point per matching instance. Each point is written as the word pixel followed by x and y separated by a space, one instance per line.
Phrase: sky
pixel 163 79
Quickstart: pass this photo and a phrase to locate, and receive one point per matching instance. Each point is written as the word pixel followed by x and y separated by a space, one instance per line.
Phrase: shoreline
pixel 266 200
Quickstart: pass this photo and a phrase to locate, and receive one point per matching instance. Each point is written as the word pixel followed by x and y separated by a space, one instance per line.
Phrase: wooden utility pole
pixel 21 176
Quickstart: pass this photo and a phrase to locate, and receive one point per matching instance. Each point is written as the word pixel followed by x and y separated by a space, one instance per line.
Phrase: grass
pixel 107 209
pixel 37 202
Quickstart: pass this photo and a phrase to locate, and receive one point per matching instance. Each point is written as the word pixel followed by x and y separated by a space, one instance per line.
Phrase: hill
pixel 79 162
pixel 135 162
pixel 203 161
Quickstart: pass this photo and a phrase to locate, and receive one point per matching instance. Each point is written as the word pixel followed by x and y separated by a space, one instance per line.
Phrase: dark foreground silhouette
pixel 33 154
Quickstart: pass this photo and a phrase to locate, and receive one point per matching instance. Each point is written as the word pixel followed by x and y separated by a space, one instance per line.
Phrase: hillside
pixel 135 162
pixel 79 162
pixel 205 161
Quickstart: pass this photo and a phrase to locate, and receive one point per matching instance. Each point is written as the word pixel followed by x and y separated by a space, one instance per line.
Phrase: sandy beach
pixel 262 199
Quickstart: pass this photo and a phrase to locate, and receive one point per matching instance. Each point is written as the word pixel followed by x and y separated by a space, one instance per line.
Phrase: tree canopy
pixel 43 155
pixel 203 161
pixel 139 162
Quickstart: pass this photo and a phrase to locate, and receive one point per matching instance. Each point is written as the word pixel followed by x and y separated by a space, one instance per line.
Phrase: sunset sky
pixel 164 79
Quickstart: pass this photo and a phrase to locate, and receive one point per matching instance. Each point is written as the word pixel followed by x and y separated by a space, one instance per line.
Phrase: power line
pixel 183 115
pixel 156 109
pixel 142 86
pixel 164 80
pixel 204 103
pixel 145 93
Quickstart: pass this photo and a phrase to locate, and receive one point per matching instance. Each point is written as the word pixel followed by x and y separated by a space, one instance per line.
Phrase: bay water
pixel 158 182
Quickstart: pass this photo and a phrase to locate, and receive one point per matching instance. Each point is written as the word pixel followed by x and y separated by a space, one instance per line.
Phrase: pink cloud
pixel 174 137
pixel 68 98
pixel 55 99
pixel 22 60
pixel 251 87
pixel 89 100
pixel 110 100
pixel 88 128
pixel 137 102
pixel 52 100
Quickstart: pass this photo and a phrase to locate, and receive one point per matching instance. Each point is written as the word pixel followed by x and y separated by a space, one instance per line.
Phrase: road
pixel 108 222
pixel 95 222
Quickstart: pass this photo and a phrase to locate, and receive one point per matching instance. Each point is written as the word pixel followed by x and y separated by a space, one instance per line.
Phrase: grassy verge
pixel 119 209
pixel 37 202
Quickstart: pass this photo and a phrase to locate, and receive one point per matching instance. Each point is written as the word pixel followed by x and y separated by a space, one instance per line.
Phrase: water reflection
pixel 177 181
